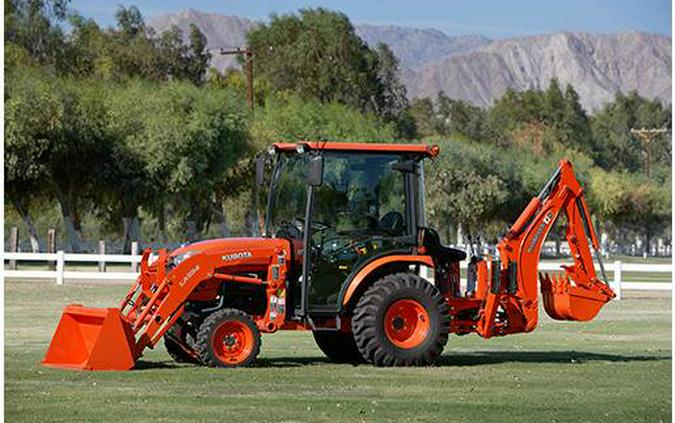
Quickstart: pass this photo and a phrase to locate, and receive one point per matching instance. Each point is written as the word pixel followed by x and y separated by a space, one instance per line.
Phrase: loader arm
pixel 114 338
pixel 511 304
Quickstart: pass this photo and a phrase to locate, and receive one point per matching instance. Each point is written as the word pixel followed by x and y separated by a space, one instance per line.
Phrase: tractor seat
pixel 432 242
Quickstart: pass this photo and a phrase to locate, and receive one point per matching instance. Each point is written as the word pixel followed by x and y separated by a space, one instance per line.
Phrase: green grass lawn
pixel 616 368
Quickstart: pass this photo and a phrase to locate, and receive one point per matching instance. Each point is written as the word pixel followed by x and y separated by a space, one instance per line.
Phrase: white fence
pixel 617 283
pixel 60 274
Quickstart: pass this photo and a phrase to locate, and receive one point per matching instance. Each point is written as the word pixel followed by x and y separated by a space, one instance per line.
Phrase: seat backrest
pixel 432 242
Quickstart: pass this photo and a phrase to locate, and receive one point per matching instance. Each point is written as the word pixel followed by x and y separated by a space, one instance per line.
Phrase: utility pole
pixel 248 63
pixel 647 135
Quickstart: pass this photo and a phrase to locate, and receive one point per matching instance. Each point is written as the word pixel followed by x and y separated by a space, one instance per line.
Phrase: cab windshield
pixel 358 212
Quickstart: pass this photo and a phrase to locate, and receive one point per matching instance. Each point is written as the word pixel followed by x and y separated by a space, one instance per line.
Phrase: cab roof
pixel 426 150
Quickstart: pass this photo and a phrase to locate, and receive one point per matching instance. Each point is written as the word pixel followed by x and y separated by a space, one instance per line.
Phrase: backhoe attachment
pixel 511 302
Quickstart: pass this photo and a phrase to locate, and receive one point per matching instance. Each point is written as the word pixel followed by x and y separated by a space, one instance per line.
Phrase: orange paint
pixel 519 252
pixel 91 339
pixel 406 324
pixel 232 342
pixel 363 273
pixel 428 150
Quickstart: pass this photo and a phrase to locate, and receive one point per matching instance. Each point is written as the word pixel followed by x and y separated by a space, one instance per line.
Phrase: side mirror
pixel 315 171
pixel 260 170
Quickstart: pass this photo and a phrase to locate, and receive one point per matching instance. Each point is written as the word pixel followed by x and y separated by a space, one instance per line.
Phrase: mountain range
pixel 479 69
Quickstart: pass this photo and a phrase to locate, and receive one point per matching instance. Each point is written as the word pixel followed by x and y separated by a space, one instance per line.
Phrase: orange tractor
pixel 344 245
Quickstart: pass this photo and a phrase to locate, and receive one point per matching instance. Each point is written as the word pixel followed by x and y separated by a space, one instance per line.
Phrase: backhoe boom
pixel 577 294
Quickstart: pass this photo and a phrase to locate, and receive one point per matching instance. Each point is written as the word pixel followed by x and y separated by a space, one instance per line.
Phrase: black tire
pixel 338 346
pixel 368 322
pixel 186 332
pixel 207 347
pixel 177 352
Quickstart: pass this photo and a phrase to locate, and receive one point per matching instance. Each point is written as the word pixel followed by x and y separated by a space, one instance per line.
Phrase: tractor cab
pixel 345 205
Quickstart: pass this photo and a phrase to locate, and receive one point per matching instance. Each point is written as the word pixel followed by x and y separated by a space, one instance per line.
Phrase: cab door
pixel 358 212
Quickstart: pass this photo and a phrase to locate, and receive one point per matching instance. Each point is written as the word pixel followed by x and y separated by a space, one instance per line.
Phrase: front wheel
pixel 180 339
pixel 228 338
pixel 401 320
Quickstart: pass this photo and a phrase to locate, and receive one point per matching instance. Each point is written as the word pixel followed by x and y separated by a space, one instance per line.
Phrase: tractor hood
pixel 234 250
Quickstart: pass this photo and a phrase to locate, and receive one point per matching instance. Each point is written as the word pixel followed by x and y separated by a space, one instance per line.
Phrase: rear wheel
pixel 401 320
pixel 338 346
pixel 228 338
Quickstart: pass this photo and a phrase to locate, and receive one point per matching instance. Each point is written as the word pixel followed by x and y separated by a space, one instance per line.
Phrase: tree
pixel 183 61
pixel 631 202
pixel 466 199
pixel 460 117
pixel 77 143
pixel 506 114
pixel 171 52
pixel 422 111
pixel 34 25
pixel 198 59
pixel 130 22
pixel 56 129
pixel 290 118
pixel 473 185
pixel 615 147
pixel 554 103
pixel 573 125
pixel 391 99
pixel 129 50
pixel 125 184
pixel 318 55
pixel 187 139
pixel 27 144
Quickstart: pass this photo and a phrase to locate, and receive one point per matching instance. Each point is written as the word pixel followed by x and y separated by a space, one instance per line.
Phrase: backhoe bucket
pixel 92 339
pixel 564 301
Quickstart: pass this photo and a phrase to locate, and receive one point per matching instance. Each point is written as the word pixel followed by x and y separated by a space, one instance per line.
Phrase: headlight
pixel 176 260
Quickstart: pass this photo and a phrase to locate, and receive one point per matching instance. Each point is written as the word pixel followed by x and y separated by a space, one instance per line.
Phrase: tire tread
pixel 367 334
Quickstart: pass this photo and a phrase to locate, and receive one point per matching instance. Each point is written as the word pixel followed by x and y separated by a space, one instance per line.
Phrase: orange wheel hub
pixel 406 323
pixel 232 342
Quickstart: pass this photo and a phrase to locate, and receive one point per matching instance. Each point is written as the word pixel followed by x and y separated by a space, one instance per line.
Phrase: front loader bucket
pixel 92 339
pixel 564 301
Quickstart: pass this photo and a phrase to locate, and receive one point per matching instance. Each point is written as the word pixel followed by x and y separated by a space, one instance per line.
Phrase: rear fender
pixel 373 270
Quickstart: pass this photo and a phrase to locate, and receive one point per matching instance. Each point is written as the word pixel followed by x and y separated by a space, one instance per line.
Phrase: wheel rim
pixel 406 323
pixel 232 342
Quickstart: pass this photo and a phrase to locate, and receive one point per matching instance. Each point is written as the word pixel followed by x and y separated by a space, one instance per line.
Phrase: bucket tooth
pixel 92 339
pixel 545 281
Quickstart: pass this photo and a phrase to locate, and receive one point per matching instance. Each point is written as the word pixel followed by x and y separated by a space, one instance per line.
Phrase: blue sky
pixel 492 18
